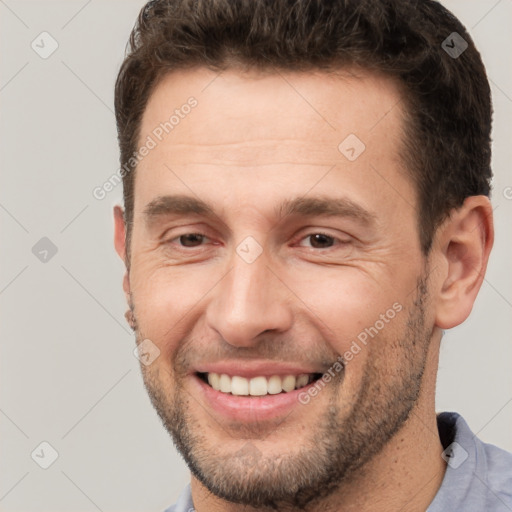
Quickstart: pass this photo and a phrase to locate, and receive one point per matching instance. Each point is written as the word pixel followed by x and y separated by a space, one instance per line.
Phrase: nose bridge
pixel 249 300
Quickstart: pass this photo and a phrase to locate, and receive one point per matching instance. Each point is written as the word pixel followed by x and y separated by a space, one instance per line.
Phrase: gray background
pixel 68 374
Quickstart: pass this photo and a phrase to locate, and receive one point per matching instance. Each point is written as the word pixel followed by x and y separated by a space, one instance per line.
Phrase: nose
pixel 248 301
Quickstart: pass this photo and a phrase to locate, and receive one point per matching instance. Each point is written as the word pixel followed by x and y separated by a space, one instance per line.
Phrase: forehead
pixel 244 114
pixel 255 138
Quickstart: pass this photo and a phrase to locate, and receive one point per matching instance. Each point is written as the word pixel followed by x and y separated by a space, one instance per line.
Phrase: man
pixel 305 211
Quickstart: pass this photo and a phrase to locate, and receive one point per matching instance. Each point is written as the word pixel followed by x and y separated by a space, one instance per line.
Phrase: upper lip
pixel 249 369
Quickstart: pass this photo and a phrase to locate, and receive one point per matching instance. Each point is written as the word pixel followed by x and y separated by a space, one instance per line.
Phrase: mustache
pixel 193 351
pixel 272 348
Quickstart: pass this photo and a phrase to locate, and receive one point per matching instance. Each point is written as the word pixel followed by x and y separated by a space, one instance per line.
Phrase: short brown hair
pixel 447 149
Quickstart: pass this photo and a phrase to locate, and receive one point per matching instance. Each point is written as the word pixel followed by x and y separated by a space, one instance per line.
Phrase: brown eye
pixel 320 241
pixel 191 239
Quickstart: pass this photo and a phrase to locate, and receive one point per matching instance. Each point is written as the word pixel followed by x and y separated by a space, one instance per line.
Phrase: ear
pixel 463 244
pixel 120 246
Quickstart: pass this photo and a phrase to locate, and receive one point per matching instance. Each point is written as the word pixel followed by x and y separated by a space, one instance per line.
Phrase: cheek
pixel 359 317
pixel 347 300
pixel 167 300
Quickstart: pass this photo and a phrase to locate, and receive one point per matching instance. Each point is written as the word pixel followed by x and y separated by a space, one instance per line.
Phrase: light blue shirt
pixel 478 475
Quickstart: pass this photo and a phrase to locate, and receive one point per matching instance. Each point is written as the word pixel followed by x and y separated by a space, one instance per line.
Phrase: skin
pixel 369 439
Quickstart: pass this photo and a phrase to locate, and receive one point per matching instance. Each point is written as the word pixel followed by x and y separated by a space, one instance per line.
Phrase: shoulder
pixel 478 475
pixel 494 468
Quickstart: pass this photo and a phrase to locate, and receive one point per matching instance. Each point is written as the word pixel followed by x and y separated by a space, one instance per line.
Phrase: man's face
pixel 308 253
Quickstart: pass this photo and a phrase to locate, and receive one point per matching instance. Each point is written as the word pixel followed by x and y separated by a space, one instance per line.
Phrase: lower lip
pixel 250 408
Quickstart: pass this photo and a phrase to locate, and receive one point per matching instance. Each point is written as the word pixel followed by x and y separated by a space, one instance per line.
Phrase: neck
pixel 405 475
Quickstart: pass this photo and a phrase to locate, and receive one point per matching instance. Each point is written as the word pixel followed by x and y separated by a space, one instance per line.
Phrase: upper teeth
pixel 257 386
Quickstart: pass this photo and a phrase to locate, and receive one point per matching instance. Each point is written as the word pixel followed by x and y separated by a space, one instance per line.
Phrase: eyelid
pixel 341 240
pixel 198 233
pixel 185 229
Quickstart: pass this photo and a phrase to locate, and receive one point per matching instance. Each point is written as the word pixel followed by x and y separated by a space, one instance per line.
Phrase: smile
pixel 259 385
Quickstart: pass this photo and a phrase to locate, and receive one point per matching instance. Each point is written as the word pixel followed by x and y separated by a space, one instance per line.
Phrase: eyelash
pixel 334 239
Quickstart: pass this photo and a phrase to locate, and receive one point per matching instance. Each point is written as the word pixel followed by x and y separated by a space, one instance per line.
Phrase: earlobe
pixel 465 241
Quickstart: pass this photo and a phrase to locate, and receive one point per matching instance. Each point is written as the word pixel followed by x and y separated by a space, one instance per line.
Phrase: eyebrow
pixel 328 206
pixel 300 206
pixel 176 205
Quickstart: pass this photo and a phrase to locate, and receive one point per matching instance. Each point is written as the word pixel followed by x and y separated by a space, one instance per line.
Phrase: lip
pixel 250 369
pixel 249 409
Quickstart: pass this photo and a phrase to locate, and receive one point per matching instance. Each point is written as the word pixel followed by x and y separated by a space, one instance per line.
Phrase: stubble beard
pixel 333 451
